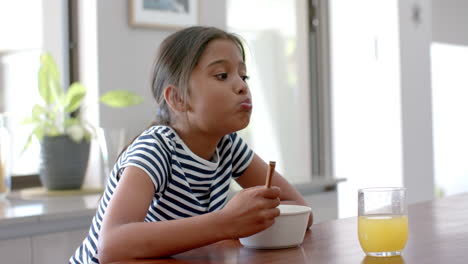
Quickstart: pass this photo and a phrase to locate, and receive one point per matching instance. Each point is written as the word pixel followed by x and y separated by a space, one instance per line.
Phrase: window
pixel 366 98
pixel 278 66
pixel 449 97
pixel 28 28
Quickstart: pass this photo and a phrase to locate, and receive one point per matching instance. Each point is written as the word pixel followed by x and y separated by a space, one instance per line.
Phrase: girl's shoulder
pixel 160 132
pixel 233 137
pixel 161 136
pixel 231 140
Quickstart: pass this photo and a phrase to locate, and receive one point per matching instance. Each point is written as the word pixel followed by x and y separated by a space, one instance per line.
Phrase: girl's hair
pixel 177 57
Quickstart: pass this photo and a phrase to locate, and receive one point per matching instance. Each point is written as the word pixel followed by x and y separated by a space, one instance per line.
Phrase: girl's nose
pixel 241 87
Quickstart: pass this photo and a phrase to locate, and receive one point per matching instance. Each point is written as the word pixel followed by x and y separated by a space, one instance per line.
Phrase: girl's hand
pixel 250 211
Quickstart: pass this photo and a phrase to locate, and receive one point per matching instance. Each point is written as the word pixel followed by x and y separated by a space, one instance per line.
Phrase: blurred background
pixel 347 93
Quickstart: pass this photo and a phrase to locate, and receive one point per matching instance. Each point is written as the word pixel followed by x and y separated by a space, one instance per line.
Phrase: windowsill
pixel 19 182
pixel 318 185
pixel 20 216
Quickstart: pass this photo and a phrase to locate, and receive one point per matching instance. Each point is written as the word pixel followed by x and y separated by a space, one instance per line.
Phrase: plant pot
pixel 63 163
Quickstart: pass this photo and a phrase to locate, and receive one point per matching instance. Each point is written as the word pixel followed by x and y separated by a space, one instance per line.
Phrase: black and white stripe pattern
pixel 185 184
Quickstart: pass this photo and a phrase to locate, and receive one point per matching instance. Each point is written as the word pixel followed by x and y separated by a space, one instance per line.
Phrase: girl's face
pixel 219 99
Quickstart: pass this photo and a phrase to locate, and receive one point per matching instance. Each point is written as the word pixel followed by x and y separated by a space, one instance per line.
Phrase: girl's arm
pixel 255 175
pixel 125 236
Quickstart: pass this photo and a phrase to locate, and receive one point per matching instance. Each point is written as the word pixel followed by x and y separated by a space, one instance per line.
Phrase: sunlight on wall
pixel 366 102
pixel 450 109
pixel 20 92
pixel 20 25
pixel 280 126
pixel 21 33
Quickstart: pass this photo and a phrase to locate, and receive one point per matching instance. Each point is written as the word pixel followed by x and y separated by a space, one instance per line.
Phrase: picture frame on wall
pixel 163 13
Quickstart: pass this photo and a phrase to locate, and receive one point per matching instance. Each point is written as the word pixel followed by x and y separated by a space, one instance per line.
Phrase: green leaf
pixel 49 79
pixel 52 114
pixel 28 143
pixel 52 132
pixel 38 111
pixel 28 121
pixel 48 61
pixel 72 121
pixel 120 98
pixel 57 91
pixel 43 82
pixel 87 136
pixel 74 97
pixel 39 131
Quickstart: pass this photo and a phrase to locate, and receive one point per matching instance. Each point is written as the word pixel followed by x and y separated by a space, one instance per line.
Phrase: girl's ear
pixel 174 99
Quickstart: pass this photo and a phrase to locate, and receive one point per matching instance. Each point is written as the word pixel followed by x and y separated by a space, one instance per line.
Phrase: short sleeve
pixel 242 155
pixel 150 154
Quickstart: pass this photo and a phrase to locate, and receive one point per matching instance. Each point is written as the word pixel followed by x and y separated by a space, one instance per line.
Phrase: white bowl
pixel 287 231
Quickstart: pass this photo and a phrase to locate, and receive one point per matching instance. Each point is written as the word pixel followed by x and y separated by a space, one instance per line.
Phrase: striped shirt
pixel 185 185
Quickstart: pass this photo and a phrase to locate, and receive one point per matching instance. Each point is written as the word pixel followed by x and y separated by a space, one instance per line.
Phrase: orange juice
pixel 383 233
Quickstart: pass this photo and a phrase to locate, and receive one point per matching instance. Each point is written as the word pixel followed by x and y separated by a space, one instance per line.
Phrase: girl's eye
pixel 245 77
pixel 221 76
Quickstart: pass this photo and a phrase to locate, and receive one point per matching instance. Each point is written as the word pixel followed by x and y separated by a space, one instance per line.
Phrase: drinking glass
pixel 111 142
pixel 5 157
pixel 382 220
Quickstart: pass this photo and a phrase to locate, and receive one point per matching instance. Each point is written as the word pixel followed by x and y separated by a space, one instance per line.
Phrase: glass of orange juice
pixel 382 220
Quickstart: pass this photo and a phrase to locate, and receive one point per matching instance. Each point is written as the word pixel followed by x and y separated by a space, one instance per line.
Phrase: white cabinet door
pixel 15 251
pixel 324 206
pixel 56 248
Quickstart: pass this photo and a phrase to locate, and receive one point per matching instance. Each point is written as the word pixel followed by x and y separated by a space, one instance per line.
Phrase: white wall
pixel 366 97
pixel 381 98
pixel 126 55
pixel 53 15
pixel 24 35
pixel 114 55
pixel 88 75
pixel 450 21
pixel 279 129
pixel 416 98
pixel 449 53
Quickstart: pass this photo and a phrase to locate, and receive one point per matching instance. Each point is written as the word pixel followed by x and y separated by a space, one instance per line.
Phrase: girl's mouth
pixel 246 105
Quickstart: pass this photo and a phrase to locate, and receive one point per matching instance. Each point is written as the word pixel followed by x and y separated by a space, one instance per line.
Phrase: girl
pixel 172 182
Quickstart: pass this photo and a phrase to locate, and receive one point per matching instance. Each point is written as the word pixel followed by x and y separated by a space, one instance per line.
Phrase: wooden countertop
pixel 438 233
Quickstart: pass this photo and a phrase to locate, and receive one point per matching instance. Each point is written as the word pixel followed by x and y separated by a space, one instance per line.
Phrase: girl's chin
pixel 224 127
pixel 237 127
pixel 243 125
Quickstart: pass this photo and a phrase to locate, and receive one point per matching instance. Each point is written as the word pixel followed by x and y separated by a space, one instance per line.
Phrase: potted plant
pixel 63 133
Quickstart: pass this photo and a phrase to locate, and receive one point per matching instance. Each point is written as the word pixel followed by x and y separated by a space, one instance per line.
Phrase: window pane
pixel 21 31
pixel 27 28
pixel 280 126
pixel 19 94
pixel 20 25
pixel 366 98
pixel 450 108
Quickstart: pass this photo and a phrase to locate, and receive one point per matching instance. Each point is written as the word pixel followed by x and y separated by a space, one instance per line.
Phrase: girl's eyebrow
pixel 216 62
pixel 222 61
